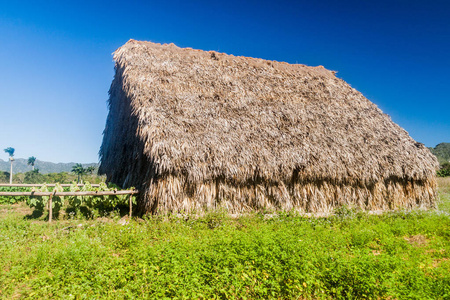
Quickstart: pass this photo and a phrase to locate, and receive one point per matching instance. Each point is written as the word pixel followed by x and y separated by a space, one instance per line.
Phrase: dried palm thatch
pixel 196 130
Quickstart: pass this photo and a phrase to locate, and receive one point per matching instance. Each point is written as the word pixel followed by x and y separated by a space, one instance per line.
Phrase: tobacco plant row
pixel 88 205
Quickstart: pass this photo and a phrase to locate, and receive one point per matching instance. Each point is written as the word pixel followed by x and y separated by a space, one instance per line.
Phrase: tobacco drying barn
pixel 196 130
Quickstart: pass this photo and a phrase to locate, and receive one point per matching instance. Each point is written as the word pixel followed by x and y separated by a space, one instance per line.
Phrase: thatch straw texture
pixel 196 130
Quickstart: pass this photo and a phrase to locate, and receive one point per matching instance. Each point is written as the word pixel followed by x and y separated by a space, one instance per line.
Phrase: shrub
pixel 444 171
pixel 16 199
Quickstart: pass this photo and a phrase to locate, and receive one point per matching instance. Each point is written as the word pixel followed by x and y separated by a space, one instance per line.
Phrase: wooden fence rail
pixel 39 185
pixel 89 193
pixel 56 194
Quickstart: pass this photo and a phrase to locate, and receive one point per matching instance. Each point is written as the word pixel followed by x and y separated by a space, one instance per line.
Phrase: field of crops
pixel 73 206
pixel 352 255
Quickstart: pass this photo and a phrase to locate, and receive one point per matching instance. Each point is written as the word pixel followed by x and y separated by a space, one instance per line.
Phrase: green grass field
pixel 401 255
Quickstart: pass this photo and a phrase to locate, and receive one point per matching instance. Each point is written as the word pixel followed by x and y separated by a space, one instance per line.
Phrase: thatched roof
pixel 207 115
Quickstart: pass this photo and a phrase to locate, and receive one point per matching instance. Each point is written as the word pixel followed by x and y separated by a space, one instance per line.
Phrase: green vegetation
pixel 352 255
pixel 79 170
pixel 12 200
pixel 21 166
pixel 444 171
pixel 4 177
pixel 80 206
pixel 31 162
pixel 10 151
pixel 444 194
pixel 74 206
pixel 35 177
pixel 442 152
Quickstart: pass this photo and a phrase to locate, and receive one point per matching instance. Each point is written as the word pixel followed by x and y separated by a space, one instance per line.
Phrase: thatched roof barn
pixel 194 130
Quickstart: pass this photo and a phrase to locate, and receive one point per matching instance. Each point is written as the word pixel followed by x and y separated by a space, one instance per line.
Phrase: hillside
pixel 20 166
pixel 442 152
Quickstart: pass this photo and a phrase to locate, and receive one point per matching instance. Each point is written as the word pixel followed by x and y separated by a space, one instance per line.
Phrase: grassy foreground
pixel 402 255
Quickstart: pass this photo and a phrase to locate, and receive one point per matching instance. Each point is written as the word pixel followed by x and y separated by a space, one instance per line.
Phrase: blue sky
pixel 56 63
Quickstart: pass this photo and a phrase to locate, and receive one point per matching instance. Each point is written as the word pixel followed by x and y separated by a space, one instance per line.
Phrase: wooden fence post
pixel 62 194
pixel 50 208
pixel 131 203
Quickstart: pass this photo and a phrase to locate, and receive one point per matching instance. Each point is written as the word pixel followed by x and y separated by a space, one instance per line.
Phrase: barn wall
pixel 172 194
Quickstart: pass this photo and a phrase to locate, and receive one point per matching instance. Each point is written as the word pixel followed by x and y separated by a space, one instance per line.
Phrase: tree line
pixel 77 174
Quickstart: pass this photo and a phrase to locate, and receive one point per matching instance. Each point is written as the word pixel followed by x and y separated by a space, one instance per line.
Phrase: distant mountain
pixel 442 152
pixel 20 166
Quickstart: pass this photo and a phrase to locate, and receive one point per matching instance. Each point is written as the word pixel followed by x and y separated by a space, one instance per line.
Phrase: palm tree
pixel 79 170
pixel 10 152
pixel 31 161
pixel 90 169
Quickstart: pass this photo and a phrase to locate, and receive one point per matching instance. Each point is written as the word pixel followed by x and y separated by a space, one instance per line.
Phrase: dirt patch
pixel 437 262
pixel 18 208
pixel 21 291
pixel 376 252
pixel 417 240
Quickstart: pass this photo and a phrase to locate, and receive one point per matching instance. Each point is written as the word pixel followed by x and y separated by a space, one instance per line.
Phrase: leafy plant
pixel 444 171
pixel 15 199
pixel 41 202
pixel 96 205
pixel 403 255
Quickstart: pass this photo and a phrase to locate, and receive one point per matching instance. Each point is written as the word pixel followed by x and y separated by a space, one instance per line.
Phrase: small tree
pixel 4 177
pixel 34 177
pixel 80 171
pixel 444 171
pixel 10 152
pixel 31 162
pixel 90 170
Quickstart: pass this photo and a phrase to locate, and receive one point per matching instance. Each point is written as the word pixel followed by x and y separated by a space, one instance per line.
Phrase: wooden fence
pixel 38 185
pixel 55 193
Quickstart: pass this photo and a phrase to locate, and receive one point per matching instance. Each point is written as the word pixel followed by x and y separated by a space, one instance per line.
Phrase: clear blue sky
pixel 56 63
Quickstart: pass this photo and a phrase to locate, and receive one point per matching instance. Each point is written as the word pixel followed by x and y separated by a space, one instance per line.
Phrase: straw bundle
pixel 197 130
